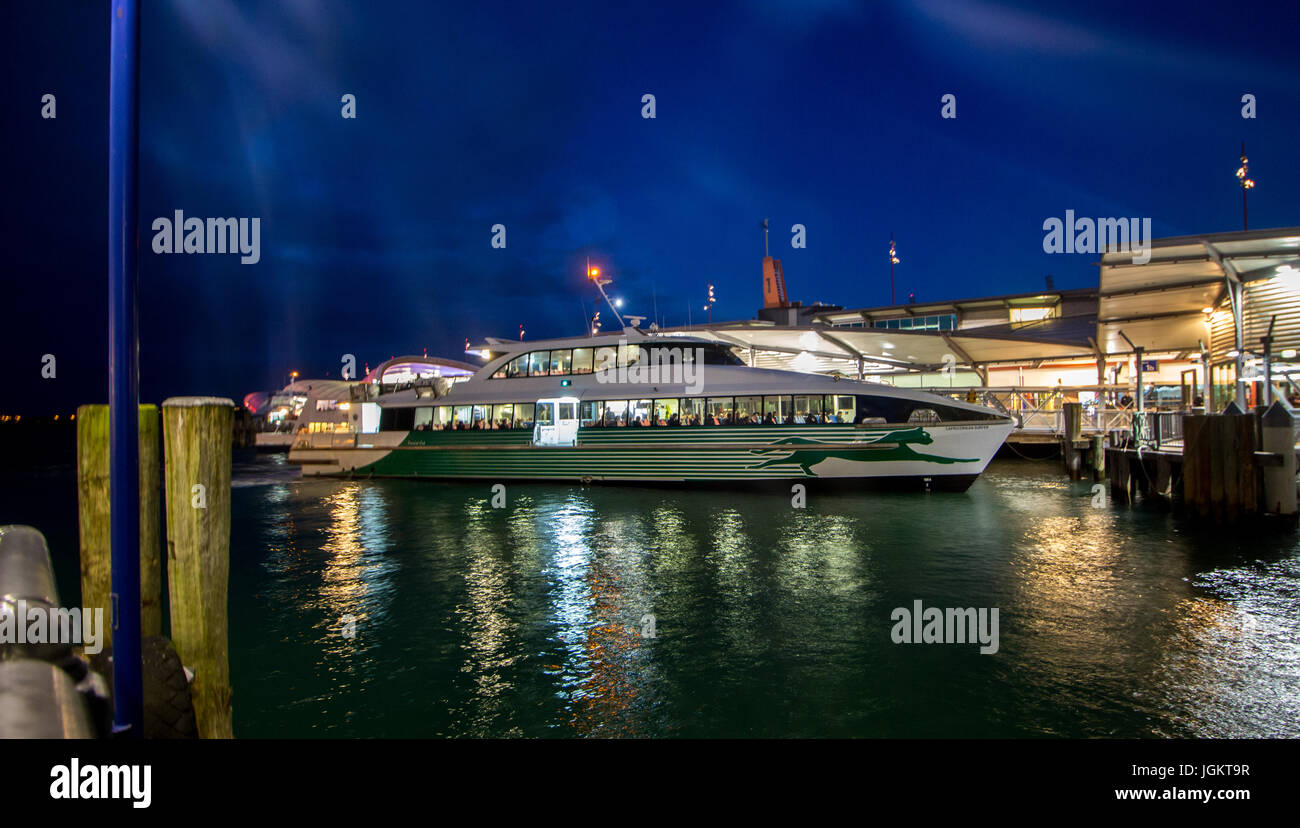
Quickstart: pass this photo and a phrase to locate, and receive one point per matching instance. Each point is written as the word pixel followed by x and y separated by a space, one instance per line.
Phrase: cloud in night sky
pixel 376 231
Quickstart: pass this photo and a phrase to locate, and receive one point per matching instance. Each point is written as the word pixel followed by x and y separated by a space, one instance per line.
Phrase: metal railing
pixel 1039 410
pixel 1159 428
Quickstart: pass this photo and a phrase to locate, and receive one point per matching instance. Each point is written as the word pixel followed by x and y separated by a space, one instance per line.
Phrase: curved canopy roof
pixel 1160 304
pixel 407 368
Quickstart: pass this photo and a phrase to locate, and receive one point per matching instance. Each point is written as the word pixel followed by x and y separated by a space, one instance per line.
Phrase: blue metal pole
pixel 123 368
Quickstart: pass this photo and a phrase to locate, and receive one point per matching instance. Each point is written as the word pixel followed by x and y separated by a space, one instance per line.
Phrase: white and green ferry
pixel 643 408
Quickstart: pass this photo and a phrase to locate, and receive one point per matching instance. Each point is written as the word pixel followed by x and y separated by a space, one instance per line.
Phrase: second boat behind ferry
pixel 643 408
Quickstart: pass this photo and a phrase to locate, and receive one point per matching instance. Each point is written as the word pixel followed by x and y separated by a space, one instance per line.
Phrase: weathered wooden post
pixel 1278 437
pixel 1219 466
pixel 93 515
pixel 1098 457
pixel 1196 463
pixel 1073 414
pixel 197 435
pixel 1120 485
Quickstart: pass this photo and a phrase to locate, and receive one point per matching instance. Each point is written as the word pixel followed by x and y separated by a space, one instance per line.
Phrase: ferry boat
pixel 636 407
pixel 324 406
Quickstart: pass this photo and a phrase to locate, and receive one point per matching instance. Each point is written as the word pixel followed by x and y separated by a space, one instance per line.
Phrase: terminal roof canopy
pixel 1160 304
pixel 883 349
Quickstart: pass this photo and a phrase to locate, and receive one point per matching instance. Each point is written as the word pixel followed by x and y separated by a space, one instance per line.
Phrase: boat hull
pixel 938 456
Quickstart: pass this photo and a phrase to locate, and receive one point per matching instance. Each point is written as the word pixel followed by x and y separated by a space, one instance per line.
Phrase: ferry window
pixel 719 355
pixel 667 413
pixel 616 412
pixel 640 413
pixel 582 360
pixel 326 405
pixel 397 419
pixel 807 408
pixel 629 354
pixel 523 415
pixel 500 372
pixel 567 411
pixel 503 415
pixel 591 413
pixel 460 417
pixel 606 358
pixel 839 408
pixel 441 417
pixel 671 361
pixel 749 410
pixel 423 418
pixel 719 411
pixel 538 363
pixel 561 362
pixel 481 415
pixel 692 411
pixel 778 410
pixel 518 367
pixel 545 413
pixel 923 415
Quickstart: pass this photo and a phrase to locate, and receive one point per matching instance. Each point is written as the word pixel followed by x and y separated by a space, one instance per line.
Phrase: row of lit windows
pixel 564 361
pixel 941 322
pixel 944 322
pixel 744 410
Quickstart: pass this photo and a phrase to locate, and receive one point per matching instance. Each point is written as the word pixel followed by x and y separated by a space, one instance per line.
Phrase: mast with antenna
pixel 593 273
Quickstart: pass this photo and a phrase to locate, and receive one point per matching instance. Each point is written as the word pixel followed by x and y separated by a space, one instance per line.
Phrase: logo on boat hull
pixel 886 446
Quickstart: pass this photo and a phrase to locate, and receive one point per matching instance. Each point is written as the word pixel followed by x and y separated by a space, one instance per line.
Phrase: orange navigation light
pixel 593 272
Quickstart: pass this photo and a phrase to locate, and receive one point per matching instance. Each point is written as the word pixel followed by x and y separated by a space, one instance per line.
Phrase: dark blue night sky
pixel 376 231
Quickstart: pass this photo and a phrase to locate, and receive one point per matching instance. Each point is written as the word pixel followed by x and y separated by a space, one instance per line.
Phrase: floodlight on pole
pixel 593 273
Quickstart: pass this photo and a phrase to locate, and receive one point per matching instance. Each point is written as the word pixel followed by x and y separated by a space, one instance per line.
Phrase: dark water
pixel 768 620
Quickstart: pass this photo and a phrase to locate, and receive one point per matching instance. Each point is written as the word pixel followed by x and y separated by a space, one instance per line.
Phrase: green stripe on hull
pixel 688 453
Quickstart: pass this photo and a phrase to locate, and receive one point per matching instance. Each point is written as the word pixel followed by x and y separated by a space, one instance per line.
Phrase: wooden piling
pixel 1098 457
pixel 93 516
pixel 1073 415
pixel 197 435
pixel 1120 485
pixel 1219 466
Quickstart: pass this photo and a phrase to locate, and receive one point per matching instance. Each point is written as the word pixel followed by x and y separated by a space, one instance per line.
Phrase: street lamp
pixel 893 260
pixel 1246 184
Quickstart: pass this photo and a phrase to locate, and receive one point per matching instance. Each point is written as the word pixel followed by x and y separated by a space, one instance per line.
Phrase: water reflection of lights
pixel 490 630
pixel 1231 663
pixel 571 593
pixel 357 576
pixel 1068 574
pixel 599 600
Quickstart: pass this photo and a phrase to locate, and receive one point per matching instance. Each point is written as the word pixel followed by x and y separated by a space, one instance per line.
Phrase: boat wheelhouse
pixel 638 407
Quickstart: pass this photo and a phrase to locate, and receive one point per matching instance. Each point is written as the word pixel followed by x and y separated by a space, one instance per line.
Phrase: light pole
pixel 124 368
pixel 893 260
pixel 1246 184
